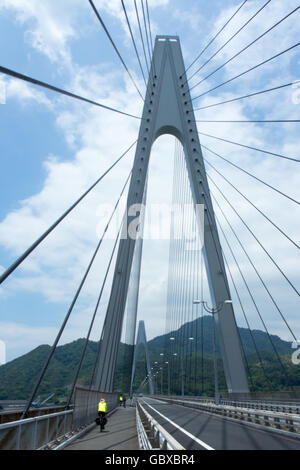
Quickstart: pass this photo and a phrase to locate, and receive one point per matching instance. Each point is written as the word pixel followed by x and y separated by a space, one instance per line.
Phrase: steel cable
pixel 253 205
pixel 257 240
pixel 21 258
pixel 228 41
pixel 34 81
pixel 246 47
pixel 215 37
pixel 249 147
pixel 251 175
pixel 255 269
pixel 246 71
pixel 114 46
pixel 250 95
pixel 82 282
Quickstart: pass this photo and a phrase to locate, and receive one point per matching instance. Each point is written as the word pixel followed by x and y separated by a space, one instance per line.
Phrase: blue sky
pixel 53 148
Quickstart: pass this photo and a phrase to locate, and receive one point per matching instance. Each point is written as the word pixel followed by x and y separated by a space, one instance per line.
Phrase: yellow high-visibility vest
pixel 121 398
pixel 102 406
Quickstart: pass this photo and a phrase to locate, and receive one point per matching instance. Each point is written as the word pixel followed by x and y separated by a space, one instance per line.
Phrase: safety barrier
pixel 8 415
pixel 151 435
pixel 48 431
pixel 292 407
pixel 282 421
pixel 35 433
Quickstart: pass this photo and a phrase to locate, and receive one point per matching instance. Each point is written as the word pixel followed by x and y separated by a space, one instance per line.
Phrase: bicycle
pixel 101 421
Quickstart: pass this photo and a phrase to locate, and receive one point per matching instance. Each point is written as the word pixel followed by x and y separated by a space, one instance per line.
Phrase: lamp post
pixel 162 374
pixel 153 378
pixel 181 363
pixel 213 311
pixel 169 378
pixel 155 372
pixel 167 362
pixel 159 369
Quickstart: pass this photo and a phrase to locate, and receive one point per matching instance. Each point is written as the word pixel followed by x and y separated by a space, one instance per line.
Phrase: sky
pixel 54 147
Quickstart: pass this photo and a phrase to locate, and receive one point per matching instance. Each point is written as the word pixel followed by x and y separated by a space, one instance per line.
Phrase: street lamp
pixel 154 375
pixel 213 311
pixel 181 362
pixel 167 362
pixel 161 372
pixel 155 383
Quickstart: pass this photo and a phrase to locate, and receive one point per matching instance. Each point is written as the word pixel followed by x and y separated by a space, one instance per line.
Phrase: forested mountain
pixel 265 371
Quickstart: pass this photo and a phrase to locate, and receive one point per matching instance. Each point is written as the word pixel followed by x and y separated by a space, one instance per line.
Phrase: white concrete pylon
pixel 142 340
pixel 169 110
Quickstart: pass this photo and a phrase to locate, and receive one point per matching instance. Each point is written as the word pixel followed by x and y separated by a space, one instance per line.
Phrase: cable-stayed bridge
pixel 202 277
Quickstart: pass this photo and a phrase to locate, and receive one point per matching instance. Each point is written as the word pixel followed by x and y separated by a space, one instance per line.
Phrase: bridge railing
pixel 8 415
pixel 151 435
pixel 292 407
pixel 281 421
pixel 35 433
pixel 49 430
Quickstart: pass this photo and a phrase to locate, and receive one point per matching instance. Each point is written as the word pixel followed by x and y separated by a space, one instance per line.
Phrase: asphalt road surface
pixel 196 430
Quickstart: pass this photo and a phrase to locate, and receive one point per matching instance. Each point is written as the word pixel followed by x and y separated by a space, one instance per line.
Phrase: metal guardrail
pixel 256 405
pixel 144 442
pixel 49 430
pixel 7 415
pixel 283 421
pixel 292 407
pixel 151 435
pixel 35 433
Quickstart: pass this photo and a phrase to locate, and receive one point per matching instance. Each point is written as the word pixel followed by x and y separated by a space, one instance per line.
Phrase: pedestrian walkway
pixel 120 434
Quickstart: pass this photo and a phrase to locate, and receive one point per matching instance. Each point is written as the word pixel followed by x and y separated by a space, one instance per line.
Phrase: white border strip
pixel 175 445
pixel 203 444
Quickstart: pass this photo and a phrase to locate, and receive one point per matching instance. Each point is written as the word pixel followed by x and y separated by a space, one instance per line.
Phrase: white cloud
pixel 24 93
pixel 98 137
pixel 280 38
pixel 191 18
pixel 49 25
pixel 21 338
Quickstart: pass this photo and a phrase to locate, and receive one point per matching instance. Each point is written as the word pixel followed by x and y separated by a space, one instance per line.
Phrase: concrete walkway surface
pixel 120 434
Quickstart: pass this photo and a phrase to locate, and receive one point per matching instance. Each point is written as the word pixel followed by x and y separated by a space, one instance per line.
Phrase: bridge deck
pixel 119 434
pixel 198 430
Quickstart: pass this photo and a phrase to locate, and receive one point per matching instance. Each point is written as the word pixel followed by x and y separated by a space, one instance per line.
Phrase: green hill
pixel 18 377
pixel 204 327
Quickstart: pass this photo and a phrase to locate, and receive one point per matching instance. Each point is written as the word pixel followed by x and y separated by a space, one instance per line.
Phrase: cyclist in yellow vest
pixel 121 400
pixel 102 410
pixel 102 406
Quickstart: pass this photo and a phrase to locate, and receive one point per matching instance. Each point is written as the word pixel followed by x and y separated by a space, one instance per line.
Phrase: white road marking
pixel 203 444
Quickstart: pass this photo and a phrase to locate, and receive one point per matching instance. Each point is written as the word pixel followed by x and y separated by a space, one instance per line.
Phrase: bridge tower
pixel 141 340
pixel 168 110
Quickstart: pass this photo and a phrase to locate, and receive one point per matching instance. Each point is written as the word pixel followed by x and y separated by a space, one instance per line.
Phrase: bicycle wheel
pixel 102 423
